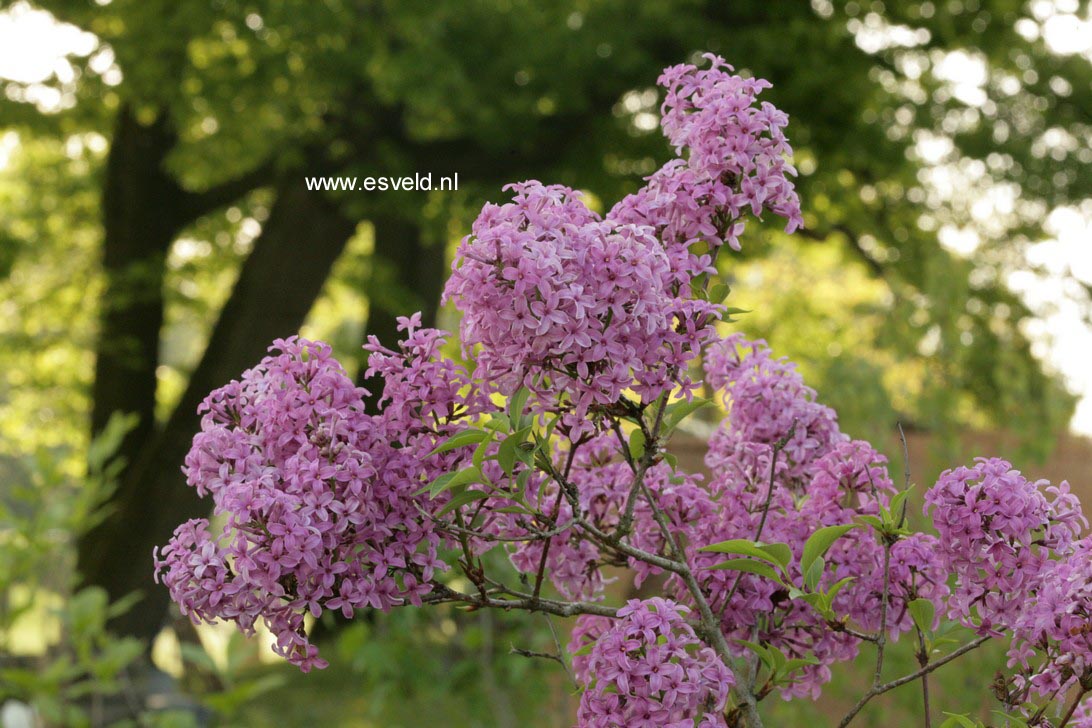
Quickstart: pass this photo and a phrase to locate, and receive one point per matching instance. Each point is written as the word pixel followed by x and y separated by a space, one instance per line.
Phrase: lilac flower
pixel 997 533
pixel 768 401
pixel 647 668
pixel 732 158
pixel 575 307
pixel 319 497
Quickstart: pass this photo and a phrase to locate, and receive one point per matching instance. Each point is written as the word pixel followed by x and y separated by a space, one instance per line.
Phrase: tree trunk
pixel 139 200
pixel 276 288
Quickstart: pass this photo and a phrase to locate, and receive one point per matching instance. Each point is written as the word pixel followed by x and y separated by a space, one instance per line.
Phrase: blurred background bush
pixel 156 234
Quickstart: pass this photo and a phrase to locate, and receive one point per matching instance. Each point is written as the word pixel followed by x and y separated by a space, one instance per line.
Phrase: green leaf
pixel 461 499
pixel 438 482
pixel 525 453
pixel 506 454
pixel 958 721
pixel 1013 720
pixel 873 521
pixel 814 599
pixel 730 313
pixel 820 542
pixel 123 605
pixel 466 476
pixel 764 653
pixel 196 655
pixel 585 650
pixel 814 573
pixel 779 551
pixel 499 423
pixel 511 449
pixel 796 663
pixel 773 553
pixel 718 292
pixel 637 444
pixel 679 411
pixel 460 439
pixel 837 587
pixel 482 450
pixel 749 566
pixel 922 612
pixel 521 483
pixel 777 659
pixel 897 502
pixel 516 404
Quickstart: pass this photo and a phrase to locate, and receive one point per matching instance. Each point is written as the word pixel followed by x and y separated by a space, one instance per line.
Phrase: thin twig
pixel 923 660
pixel 540 576
pixel 443 594
pixel 899 682
pixel 608 541
pixel 533 534
pixel 1072 708
pixel 905 470
pixel 625 523
pixel 560 651
pixel 905 457
pixel 710 623
pixel 881 638
pixel 544 655
pixel 839 627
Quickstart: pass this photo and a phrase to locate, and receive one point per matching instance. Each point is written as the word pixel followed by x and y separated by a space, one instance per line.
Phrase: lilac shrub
pixel 586 338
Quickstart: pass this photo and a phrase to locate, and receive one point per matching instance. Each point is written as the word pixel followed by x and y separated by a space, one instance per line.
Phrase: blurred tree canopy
pixel 156 232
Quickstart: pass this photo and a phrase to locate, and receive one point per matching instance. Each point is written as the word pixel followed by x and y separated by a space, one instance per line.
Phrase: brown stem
pixel 923 660
pixel 881 638
pixel 899 682
pixel 1072 708
pixel 442 594
pixel 651 446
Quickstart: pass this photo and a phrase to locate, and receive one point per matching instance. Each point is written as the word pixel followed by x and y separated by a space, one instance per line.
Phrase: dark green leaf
pixel 820 542
pixel 460 439
pixel 466 476
pixel 679 411
pixel 457 501
pixel 749 566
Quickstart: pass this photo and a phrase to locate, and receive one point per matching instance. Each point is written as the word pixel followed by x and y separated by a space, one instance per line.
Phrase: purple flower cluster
pixel 1021 567
pixel 768 402
pixel 648 669
pixel 1052 631
pixel 998 531
pixel 319 504
pixel 423 391
pixel 822 479
pixel 581 308
pixel 732 158
pixel 577 308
